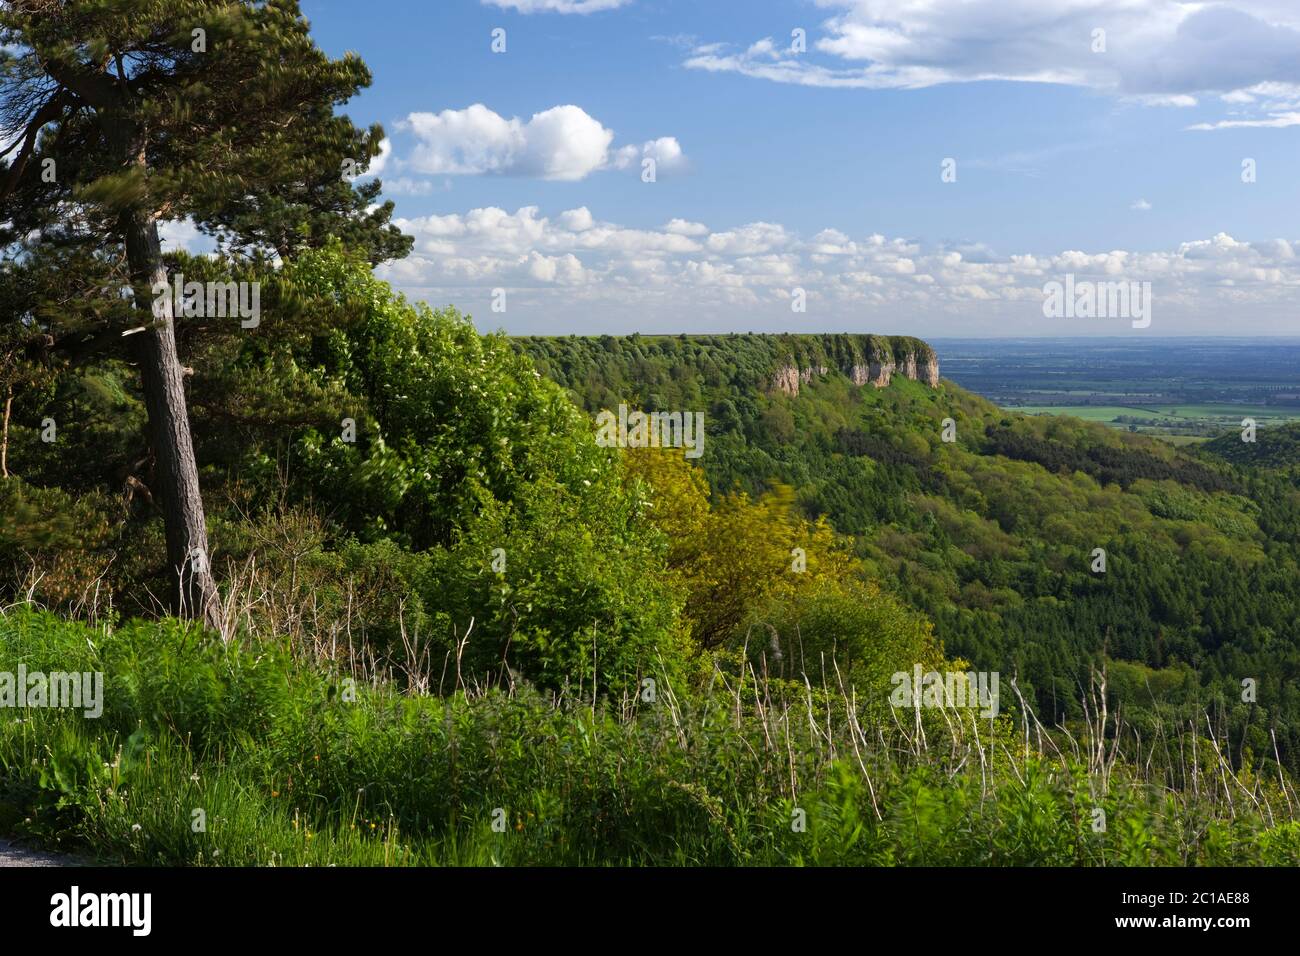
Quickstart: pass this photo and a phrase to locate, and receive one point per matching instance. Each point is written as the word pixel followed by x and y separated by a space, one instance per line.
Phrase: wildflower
pixel 135 828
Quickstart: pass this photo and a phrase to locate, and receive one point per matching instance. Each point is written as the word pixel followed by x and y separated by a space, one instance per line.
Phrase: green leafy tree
pixel 519 530
pixel 119 114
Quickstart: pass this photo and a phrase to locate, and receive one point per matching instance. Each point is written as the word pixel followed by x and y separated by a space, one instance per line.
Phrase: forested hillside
pixel 993 535
pixel 425 559
pixel 348 581
pixel 1273 448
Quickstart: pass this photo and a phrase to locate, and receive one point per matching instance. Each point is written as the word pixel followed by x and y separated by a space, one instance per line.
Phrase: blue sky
pixel 820 169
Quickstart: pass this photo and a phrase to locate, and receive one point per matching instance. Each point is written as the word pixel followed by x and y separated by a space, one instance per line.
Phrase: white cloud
pixel 1275 121
pixel 565 269
pixel 558 6
pixel 754 238
pixel 177 234
pixel 561 143
pixel 665 151
pixel 577 220
pixel 379 162
pixel 564 143
pixel 686 276
pixel 684 227
pixel 1141 205
pixel 1158 52
pixel 1178 100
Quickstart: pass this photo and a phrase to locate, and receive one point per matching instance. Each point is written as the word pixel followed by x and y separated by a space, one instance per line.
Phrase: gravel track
pixel 13 855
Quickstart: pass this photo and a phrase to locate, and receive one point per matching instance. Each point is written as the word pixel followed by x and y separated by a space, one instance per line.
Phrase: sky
pixel 920 167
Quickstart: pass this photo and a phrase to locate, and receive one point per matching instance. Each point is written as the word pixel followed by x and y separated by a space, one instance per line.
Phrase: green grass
pixel 1221 413
pixel 287 771
pixel 1091 413
pixel 1186 424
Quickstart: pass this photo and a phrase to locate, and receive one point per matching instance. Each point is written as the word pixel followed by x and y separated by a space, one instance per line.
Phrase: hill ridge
pixel 781 362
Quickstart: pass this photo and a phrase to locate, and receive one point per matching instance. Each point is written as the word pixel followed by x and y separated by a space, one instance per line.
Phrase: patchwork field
pixel 1180 424
pixel 1175 390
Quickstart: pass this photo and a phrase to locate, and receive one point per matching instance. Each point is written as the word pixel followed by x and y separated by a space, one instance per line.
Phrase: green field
pixel 1223 412
pixel 1181 424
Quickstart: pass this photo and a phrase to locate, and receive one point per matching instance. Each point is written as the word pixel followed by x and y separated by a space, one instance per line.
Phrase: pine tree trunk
pixel 177 485
pixel 4 440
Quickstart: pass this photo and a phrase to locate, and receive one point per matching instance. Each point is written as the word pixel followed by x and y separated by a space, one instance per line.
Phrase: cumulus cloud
pixel 1159 52
pixel 177 234
pixel 684 227
pixel 577 220
pixel 748 240
pixel 562 143
pixel 665 151
pixel 685 276
pixel 377 163
pixel 180 234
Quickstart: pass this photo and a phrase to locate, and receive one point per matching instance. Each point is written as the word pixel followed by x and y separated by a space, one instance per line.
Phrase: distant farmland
pixel 1175 389
pixel 1181 424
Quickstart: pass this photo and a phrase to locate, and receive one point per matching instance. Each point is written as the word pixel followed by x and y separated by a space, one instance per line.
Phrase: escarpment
pixel 677 371
pixel 865 359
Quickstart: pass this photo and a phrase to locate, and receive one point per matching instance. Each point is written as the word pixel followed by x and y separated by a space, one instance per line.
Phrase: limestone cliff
pixel 866 360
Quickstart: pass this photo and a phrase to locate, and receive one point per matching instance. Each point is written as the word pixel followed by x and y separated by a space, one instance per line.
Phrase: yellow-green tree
pixel 738 553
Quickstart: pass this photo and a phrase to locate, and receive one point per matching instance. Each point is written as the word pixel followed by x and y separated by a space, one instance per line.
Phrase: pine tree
pixel 118 114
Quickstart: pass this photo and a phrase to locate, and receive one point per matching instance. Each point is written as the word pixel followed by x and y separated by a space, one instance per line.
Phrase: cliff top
pixel 669 370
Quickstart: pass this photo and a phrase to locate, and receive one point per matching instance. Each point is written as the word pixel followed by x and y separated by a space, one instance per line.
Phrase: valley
pixel 1183 391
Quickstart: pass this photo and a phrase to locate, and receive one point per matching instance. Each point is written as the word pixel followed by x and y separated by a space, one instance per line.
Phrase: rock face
pixel 787 380
pixel 866 359
pixel 790 377
pixel 931 371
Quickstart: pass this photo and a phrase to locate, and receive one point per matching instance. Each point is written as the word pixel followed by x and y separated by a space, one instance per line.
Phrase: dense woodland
pixel 362 583
pixel 992 536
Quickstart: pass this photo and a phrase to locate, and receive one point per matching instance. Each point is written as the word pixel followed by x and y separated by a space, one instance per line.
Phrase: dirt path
pixel 12 855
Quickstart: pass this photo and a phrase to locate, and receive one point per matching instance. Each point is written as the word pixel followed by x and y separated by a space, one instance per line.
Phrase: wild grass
pixel 295 759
